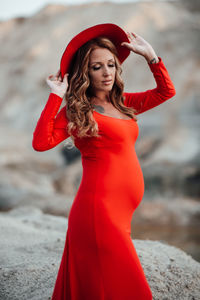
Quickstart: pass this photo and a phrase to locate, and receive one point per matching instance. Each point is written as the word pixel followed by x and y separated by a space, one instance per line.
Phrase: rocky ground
pixel 31 246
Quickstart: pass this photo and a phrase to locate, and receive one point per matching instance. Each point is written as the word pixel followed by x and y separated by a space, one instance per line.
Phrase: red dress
pixel 99 261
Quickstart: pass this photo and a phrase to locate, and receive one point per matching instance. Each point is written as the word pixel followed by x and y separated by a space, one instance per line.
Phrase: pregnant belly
pixel 115 185
pixel 122 179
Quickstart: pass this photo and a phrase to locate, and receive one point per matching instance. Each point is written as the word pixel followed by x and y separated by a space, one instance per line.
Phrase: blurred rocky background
pixel 169 138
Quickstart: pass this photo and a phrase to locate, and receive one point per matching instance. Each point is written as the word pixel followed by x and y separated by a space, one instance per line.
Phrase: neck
pixel 101 99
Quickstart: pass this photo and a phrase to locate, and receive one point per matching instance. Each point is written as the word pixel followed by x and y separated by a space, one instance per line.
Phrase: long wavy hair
pixel 79 110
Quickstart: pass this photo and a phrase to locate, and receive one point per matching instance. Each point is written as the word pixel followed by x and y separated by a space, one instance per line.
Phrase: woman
pixel 99 260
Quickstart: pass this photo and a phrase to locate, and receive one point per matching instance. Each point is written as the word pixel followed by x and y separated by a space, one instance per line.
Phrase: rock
pixel 172 274
pixel 43 180
pixel 172 179
pixel 174 212
pixel 31 246
pixel 20 187
pixel 174 220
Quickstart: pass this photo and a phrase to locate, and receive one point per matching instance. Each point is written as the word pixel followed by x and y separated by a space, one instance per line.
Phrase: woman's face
pixel 102 70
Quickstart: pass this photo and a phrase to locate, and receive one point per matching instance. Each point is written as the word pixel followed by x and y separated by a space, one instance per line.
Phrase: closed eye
pixel 97 68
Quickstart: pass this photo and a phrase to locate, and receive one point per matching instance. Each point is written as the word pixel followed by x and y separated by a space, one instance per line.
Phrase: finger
pixel 65 78
pixel 128 45
pixel 57 76
pixel 58 73
pixel 50 77
pixel 129 36
pixel 134 34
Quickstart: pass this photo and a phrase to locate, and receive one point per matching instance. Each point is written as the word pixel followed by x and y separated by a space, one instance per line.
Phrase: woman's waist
pixel 111 164
pixel 112 176
pixel 109 157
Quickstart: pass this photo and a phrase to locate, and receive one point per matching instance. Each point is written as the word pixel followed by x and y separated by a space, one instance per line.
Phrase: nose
pixel 106 71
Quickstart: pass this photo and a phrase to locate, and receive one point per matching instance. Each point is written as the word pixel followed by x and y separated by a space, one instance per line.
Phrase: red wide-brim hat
pixel 116 34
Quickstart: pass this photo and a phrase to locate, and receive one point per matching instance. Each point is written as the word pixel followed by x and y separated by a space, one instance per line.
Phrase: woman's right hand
pixel 57 85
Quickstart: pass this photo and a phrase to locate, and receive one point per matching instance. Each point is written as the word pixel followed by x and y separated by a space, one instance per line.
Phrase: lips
pixel 107 81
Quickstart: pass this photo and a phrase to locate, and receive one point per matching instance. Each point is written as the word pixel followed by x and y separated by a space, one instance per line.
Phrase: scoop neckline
pixel 112 117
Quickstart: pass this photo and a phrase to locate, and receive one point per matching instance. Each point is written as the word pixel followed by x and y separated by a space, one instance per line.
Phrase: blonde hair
pixel 78 106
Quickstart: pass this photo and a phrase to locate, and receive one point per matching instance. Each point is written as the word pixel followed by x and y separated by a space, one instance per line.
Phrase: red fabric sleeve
pixel 51 128
pixel 143 101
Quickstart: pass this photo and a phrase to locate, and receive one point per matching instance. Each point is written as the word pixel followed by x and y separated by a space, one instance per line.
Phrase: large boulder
pixel 31 246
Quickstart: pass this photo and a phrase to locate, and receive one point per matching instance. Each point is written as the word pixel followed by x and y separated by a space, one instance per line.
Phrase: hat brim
pixel 109 30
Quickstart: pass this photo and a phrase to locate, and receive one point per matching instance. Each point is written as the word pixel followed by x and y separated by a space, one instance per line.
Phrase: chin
pixel 108 88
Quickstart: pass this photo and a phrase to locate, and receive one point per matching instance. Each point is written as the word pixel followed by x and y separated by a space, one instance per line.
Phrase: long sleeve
pixel 143 101
pixel 51 128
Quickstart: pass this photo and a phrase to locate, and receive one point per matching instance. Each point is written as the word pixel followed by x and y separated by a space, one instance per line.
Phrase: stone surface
pixel 31 246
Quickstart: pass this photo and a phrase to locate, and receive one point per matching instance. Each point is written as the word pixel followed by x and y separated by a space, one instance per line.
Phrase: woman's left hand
pixel 138 45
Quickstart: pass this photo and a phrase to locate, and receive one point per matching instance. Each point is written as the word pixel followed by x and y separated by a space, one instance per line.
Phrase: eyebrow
pixel 98 62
